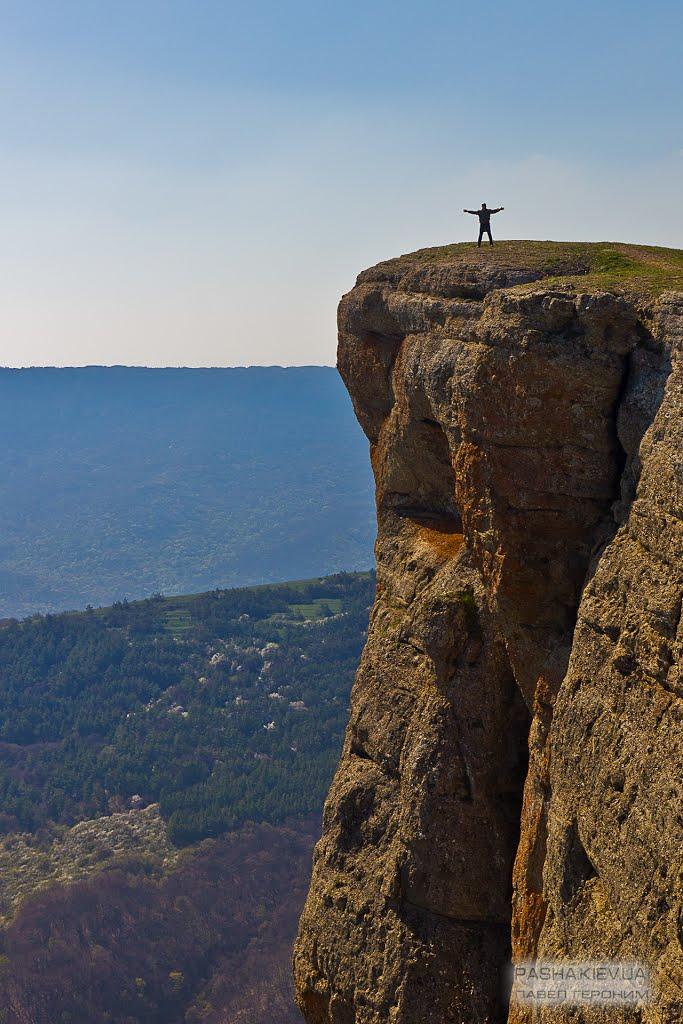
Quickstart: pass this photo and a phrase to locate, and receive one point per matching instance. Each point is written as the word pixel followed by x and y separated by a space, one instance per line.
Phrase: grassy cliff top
pixel 612 266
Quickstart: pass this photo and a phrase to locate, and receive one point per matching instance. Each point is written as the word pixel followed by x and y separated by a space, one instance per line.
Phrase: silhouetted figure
pixel 484 216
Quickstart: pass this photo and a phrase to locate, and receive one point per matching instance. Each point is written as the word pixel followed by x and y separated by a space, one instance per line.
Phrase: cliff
pixel 510 783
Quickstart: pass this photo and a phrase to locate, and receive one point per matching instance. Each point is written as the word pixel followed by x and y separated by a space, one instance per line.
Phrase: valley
pixel 163 767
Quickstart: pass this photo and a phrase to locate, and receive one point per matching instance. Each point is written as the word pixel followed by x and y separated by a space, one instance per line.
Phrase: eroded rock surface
pixel 511 780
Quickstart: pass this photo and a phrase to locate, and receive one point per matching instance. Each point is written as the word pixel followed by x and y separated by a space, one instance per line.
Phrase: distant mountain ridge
pixel 123 481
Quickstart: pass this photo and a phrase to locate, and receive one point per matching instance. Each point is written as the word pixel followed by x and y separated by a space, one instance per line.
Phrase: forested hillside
pixel 165 761
pixel 122 481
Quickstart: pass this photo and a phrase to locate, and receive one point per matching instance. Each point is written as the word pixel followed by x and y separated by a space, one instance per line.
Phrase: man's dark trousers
pixel 485 229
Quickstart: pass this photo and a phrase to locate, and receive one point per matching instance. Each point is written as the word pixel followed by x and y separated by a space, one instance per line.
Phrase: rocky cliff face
pixel 511 779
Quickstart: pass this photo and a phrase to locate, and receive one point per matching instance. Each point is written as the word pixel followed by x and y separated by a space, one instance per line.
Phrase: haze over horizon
pixel 197 185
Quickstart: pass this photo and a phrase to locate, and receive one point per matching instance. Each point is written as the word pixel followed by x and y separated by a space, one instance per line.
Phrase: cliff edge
pixel 511 779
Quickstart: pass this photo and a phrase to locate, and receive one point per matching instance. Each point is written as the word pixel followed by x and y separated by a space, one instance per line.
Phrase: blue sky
pixel 196 183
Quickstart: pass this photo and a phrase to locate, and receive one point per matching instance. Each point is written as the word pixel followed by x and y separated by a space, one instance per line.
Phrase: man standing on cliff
pixel 484 216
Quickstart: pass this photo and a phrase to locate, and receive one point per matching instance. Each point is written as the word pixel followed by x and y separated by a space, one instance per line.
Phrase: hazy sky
pixel 197 182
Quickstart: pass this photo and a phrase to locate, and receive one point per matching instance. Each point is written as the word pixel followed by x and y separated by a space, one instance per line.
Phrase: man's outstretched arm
pixel 471 211
pixel 497 210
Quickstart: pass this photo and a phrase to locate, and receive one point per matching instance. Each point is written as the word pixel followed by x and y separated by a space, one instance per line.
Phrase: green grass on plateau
pixel 610 266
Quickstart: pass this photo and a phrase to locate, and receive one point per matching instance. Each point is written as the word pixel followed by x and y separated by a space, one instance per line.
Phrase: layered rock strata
pixel 511 779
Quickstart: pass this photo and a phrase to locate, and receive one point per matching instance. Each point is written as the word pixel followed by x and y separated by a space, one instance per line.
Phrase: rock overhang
pixel 510 394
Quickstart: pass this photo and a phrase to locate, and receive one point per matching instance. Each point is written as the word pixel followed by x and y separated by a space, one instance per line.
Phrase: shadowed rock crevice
pixel 528 587
pixel 420 483
pixel 577 866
